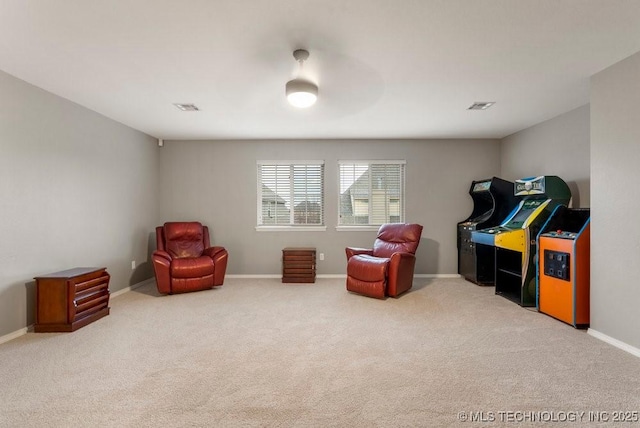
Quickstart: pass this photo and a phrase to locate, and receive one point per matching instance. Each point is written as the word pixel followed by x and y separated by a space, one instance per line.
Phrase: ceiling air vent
pixel 187 107
pixel 481 105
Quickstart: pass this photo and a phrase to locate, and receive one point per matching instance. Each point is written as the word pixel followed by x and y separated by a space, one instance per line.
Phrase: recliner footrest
pixel 367 268
pixel 371 289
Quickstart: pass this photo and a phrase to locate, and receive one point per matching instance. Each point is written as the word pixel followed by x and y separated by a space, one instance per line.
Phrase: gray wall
pixel 215 182
pixel 76 189
pixel 615 231
pixel 559 146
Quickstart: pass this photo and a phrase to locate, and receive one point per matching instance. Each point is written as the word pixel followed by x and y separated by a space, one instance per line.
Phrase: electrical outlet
pixel 133 264
pixel 321 256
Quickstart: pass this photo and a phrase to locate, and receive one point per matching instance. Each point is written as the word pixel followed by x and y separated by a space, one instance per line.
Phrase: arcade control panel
pixel 561 234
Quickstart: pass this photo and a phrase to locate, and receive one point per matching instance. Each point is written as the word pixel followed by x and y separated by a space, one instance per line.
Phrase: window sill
pixel 291 228
pixel 357 228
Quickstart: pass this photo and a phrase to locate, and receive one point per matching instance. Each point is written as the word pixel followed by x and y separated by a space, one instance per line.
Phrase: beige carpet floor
pixel 259 353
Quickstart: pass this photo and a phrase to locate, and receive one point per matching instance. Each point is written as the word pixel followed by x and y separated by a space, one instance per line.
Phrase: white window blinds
pixel 371 192
pixel 290 193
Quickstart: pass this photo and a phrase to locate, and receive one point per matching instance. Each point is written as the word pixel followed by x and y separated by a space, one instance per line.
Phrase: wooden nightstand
pixel 298 264
pixel 70 299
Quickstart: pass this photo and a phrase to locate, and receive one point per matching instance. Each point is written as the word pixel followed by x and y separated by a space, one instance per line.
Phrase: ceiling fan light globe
pixel 301 93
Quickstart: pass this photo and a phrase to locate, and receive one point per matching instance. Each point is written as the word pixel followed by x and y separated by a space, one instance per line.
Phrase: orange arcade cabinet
pixel 563 274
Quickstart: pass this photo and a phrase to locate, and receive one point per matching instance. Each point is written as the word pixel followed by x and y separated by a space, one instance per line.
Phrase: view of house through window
pixel 290 194
pixel 371 193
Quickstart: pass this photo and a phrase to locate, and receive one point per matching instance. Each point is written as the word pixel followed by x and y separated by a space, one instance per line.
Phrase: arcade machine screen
pixel 528 207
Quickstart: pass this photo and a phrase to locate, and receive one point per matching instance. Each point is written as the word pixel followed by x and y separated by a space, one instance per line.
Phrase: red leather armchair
pixel 185 260
pixel 387 268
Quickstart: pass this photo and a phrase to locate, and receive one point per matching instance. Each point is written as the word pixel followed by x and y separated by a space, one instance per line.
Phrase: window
pixel 290 193
pixel 371 192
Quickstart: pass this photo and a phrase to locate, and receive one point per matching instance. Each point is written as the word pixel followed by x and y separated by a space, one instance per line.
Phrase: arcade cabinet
pixel 514 240
pixel 493 200
pixel 563 266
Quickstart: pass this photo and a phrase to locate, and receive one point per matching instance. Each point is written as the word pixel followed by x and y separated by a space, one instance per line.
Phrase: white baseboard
pixel 419 275
pixel 14 335
pixel 25 330
pixel 132 287
pixel 615 342
pixel 437 275
pixel 259 276
pixel 341 276
pixel 276 276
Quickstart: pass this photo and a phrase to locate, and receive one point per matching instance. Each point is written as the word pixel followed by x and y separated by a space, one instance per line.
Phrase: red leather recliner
pixel 387 268
pixel 185 260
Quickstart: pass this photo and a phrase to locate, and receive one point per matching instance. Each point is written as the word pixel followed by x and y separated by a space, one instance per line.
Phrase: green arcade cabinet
pixel 514 241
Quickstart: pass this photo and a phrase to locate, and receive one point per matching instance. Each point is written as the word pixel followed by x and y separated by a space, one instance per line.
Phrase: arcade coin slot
pixel 557 264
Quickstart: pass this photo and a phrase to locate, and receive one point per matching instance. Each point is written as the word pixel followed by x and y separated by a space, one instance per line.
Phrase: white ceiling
pixel 385 68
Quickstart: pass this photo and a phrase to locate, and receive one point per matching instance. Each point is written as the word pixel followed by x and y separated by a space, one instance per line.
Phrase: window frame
pixel 369 163
pixel 292 226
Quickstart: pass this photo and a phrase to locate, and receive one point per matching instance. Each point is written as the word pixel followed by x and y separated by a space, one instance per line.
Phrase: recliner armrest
pixel 400 258
pixel 212 251
pixel 163 255
pixel 401 269
pixel 352 251
pixel 161 267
